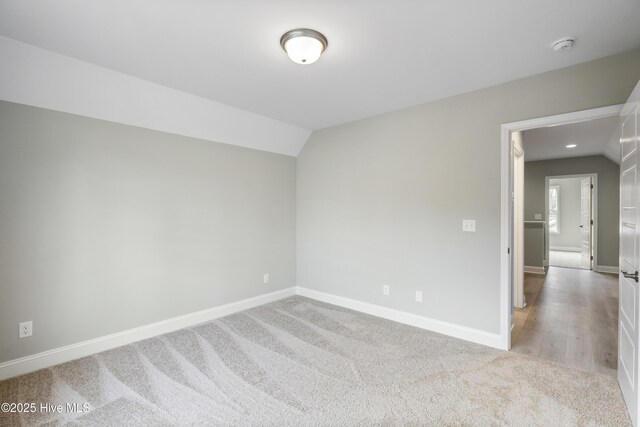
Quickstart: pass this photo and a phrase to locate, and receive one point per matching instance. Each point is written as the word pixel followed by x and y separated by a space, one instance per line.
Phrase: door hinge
pixel 591 222
pixel 591 257
pixel 509 250
pixel 592 186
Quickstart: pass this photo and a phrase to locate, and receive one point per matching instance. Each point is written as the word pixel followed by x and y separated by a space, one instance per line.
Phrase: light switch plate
pixel 469 225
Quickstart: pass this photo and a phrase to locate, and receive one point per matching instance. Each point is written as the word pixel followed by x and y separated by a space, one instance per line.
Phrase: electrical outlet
pixel 537 216
pixel 26 329
pixel 266 278
pixel 385 289
pixel 469 225
pixel 418 296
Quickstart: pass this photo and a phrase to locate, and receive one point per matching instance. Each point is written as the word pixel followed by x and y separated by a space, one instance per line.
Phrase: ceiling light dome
pixel 304 46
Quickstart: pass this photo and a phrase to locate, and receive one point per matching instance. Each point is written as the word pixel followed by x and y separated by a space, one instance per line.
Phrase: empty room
pixel 319 213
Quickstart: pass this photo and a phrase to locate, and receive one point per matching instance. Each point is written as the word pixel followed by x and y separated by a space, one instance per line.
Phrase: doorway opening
pixel 514 262
pixel 572 230
pixel 563 308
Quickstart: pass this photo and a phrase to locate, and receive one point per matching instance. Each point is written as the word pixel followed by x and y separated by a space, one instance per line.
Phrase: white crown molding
pixel 33 76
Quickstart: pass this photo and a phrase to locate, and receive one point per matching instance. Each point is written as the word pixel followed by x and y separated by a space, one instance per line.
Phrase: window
pixel 554 206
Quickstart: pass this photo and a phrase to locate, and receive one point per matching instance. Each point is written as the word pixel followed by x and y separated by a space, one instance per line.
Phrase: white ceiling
pixel 38 77
pixel 595 137
pixel 382 54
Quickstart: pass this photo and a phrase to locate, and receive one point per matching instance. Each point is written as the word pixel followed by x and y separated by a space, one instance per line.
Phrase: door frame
pixel 506 181
pixel 518 159
pixel 594 214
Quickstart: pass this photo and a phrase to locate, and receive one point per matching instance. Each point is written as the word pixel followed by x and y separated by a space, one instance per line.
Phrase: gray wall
pixel 106 227
pixel 569 235
pixel 534 245
pixel 608 196
pixel 381 200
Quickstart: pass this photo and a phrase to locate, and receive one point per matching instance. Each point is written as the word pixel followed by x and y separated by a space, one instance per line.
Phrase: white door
pixel 629 257
pixel 585 222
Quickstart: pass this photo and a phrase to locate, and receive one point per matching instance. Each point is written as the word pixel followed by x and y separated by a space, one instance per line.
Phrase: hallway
pixel 571 317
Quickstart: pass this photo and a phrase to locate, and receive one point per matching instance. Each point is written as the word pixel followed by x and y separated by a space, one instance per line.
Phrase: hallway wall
pixel 608 196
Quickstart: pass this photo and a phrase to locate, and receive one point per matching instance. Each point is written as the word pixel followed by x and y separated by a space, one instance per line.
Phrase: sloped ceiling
pixel 595 137
pixel 383 55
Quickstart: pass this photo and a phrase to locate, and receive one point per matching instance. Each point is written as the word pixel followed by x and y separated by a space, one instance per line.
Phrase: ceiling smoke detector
pixel 565 43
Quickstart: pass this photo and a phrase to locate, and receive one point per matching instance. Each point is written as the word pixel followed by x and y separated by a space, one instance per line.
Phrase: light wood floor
pixel 571 317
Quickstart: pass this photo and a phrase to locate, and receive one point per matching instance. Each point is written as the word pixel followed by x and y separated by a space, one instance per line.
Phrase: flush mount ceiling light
pixel 304 46
pixel 571 146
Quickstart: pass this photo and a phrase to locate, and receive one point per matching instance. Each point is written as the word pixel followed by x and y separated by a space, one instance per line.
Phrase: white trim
pixel 565 118
pixel 70 352
pixel 67 353
pixel 565 248
pixel 606 269
pixel 445 328
pixel 505 239
pixel 534 269
pixel 519 299
pixel 505 198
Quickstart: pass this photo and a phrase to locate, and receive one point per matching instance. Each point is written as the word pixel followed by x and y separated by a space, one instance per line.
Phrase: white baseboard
pixel 606 269
pixel 67 353
pixel 445 328
pixel 565 248
pixel 534 270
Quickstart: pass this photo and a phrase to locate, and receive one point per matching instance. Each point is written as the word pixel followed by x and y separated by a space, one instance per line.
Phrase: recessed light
pixel 304 46
pixel 571 146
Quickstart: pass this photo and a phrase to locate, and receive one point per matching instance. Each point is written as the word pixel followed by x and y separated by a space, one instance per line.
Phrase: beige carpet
pixel 301 362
